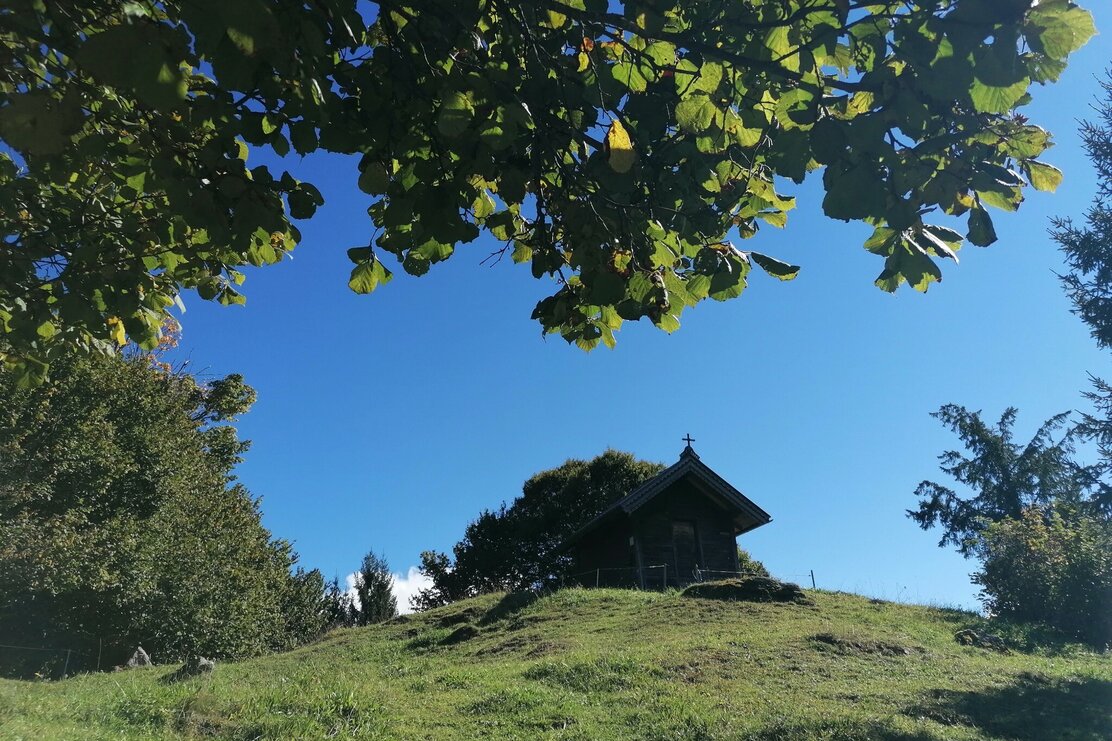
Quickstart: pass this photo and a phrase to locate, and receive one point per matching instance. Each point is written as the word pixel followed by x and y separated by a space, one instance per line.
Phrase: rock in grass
pixel 970 637
pixel 139 658
pixel 748 589
pixel 460 634
pixel 193 666
pixel 846 644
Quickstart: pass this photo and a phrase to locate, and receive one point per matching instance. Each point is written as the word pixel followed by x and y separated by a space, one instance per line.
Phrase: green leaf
pixel 304 201
pixel 456 114
pixel 928 242
pixel 990 98
pixel 949 236
pixel 775 268
pixel 46 330
pixel 37 123
pixel 368 276
pixel 373 179
pixel 696 113
pixel 633 75
pixel 137 57
pixel 303 136
pixel 668 322
pixel 483 206
pixel 698 285
pixel 1058 28
pixel 729 280
pixel 855 193
pixel 882 240
pixel 360 254
pixel 981 231
pixel 1043 176
pixel 1000 78
pixel 606 288
pixel 708 78
pixel 621 154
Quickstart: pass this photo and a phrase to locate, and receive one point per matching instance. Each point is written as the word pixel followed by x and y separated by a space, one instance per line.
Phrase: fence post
pixel 596 577
pixel 65 669
pixel 813 579
pixel 665 577
pixel 100 647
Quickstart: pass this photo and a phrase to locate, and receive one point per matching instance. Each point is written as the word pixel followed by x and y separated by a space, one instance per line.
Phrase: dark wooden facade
pixel 680 526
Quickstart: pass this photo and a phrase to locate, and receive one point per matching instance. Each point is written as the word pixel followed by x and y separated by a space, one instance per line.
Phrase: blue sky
pixel 387 422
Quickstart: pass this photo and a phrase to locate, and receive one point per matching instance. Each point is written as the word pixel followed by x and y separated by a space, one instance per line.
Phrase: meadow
pixel 607 664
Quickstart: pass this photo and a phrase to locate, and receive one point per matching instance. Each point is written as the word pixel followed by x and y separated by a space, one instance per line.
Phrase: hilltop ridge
pixel 605 664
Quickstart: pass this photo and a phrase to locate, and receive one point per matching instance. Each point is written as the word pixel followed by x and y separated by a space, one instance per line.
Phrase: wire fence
pixel 53 662
pixel 661 576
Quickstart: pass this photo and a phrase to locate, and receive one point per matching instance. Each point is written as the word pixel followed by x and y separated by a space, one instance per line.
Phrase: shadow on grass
pixel 1033 707
pixel 836 730
pixel 508 606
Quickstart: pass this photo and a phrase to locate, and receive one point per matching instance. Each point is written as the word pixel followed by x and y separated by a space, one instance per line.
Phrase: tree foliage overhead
pixel 519 546
pixel 120 522
pixel 614 147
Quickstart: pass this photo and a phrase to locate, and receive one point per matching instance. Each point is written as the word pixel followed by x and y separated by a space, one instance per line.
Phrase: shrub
pixel 1054 566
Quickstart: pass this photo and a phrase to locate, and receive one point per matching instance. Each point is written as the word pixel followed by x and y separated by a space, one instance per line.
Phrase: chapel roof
pixel 748 515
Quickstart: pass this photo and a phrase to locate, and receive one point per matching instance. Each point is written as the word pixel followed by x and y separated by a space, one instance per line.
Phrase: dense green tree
pixel 120 520
pixel 616 147
pixel 339 608
pixel 746 564
pixel 1088 248
pixel 1039 521
pixel 1033 518
pixel 1003 477
pixel 519 546
pixel 1053 565
pixel 1088 253
pixel 374 588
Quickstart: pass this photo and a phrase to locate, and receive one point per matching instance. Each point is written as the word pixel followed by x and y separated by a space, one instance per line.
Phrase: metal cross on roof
pixel 689 439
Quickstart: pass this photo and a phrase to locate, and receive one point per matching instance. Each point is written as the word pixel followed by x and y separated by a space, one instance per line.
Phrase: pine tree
pixel 374 585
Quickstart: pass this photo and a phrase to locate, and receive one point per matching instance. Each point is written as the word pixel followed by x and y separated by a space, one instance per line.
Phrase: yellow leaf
pixel 584 62
pixel 622 155
pixel 116 327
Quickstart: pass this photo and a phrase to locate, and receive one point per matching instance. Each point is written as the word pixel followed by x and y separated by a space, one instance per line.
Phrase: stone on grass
pixel 460 634
pixel 748 589
pixel 970 637
pixel 848 644
pixel 139 658
pixel 194 666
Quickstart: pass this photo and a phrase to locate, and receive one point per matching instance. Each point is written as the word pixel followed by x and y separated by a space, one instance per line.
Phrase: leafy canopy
pixel 520 546
pixel 1051 565
pixel 121 523
pixel 616 148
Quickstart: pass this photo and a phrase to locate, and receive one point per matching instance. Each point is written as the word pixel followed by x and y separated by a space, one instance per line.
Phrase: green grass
pixel 604 664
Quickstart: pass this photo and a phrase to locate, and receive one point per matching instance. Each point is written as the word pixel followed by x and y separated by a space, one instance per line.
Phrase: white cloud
pixel 349 582
pixel 406 586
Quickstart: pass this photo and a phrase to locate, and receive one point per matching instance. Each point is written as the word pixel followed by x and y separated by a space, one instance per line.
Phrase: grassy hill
pixel 603 664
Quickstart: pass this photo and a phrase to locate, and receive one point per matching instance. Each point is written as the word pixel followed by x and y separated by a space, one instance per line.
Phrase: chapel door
pixel 685 544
